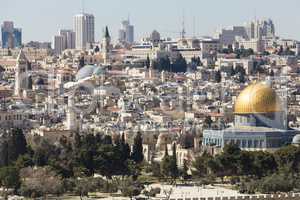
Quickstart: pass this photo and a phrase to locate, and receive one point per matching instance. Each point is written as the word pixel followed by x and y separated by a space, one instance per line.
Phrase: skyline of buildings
pixel 167 106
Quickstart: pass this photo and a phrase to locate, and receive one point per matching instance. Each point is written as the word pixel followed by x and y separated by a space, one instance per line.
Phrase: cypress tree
pixel 173 163
pixel 137 150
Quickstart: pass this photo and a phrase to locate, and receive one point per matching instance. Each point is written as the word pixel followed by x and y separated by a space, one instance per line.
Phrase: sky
pixel 40 20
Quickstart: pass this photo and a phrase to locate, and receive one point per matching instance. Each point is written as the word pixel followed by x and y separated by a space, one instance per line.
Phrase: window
pixel 255 144
pixel 238 143
pixel 249 143
pixel 261 143
pixel 244 143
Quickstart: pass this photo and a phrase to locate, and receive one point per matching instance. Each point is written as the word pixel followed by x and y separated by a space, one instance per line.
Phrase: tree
pixel 137 149
pixel 207 122
pixel 40 181
pixel 9 178
pixel 3 152
pixel 24 161
pixel 97 49
pixel 218 76
pixel 179 64
pixel 185 169
pixel 264 163
pixel 81 62
pixel 13 145
pixel 129 188
pixel 201 165
pixel 148 62
pixel 165 166
pixel 276 183
pixel 84 186
pixel 226 163
pixel 124 148
pixel 288 156
pixel 173 163
pixel 108 161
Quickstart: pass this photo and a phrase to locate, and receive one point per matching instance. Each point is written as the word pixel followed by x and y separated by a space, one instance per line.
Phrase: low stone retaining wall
pixel 254 197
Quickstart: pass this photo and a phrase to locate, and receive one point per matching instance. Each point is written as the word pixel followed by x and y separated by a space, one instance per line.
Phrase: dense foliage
pixel 256 171
pixel 42 168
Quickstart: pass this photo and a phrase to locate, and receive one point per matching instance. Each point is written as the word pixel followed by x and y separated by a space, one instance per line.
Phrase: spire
pixel 21 57
pixel 106 33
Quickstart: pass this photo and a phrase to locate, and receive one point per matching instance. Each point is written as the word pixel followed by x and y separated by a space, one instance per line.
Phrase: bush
pixel 152 192
pixel 248 187
pixel 109 187
pixel 276 183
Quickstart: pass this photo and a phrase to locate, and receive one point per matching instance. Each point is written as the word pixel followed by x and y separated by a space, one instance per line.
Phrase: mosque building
pixel 260 122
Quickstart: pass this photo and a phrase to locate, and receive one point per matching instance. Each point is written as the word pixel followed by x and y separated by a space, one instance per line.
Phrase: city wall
pixel 254 197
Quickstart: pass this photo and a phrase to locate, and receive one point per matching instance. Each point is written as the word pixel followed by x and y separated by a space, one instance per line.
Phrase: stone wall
pixel 252 197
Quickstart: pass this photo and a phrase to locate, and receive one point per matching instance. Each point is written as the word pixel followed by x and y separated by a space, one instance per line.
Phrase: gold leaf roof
pixel 257 98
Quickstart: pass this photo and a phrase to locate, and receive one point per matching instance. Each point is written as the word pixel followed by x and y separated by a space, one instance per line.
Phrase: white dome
pixel 89 70
pixel 296 139
pixel 85 72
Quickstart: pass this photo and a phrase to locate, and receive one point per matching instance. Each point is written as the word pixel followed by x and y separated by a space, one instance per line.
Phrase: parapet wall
pixel 252 197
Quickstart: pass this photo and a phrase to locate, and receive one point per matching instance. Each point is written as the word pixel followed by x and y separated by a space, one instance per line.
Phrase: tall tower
pixel 71 122
pixel 84 26
pixel 106 46
pixel 126 33
pixel 20 74
pixel 11 36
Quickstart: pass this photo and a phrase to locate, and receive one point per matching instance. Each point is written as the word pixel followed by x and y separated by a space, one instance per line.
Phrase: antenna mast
pixel 82 6
pixel 183 27
pixel 194 26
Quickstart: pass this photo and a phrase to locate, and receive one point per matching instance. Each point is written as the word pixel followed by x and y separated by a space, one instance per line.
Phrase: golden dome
pixel 257 98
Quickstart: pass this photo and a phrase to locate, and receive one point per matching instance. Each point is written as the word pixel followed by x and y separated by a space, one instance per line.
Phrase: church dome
pixel 296 140
pixel 99 71
pixel 257 98
pixel 85 72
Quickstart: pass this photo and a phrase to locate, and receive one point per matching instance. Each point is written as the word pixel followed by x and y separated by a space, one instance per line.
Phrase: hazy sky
pixel 41 19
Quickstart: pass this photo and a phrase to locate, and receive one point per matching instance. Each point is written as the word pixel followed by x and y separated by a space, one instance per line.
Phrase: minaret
pixel 20 74
pixel 151 70
pixel 105 46
pixel 71 122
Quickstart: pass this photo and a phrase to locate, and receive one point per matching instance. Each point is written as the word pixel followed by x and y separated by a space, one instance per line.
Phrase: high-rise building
pixel 228 36
pixel 58 44
pixel 254 30
pixel 17 33
pixel 65 40
pixel 259 29
pixel 126 33
pixel 69 38
pixel 84 27
pixel 11 37
pixel 268 28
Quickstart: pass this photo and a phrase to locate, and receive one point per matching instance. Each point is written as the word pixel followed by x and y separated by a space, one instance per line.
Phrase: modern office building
pixel 126 33
pixel 268 28
pixel 228 36
pixel 69 38
pixel 58 44
pixel 65 40
pixel 259 29
pixel 11 37
pixel 84 27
